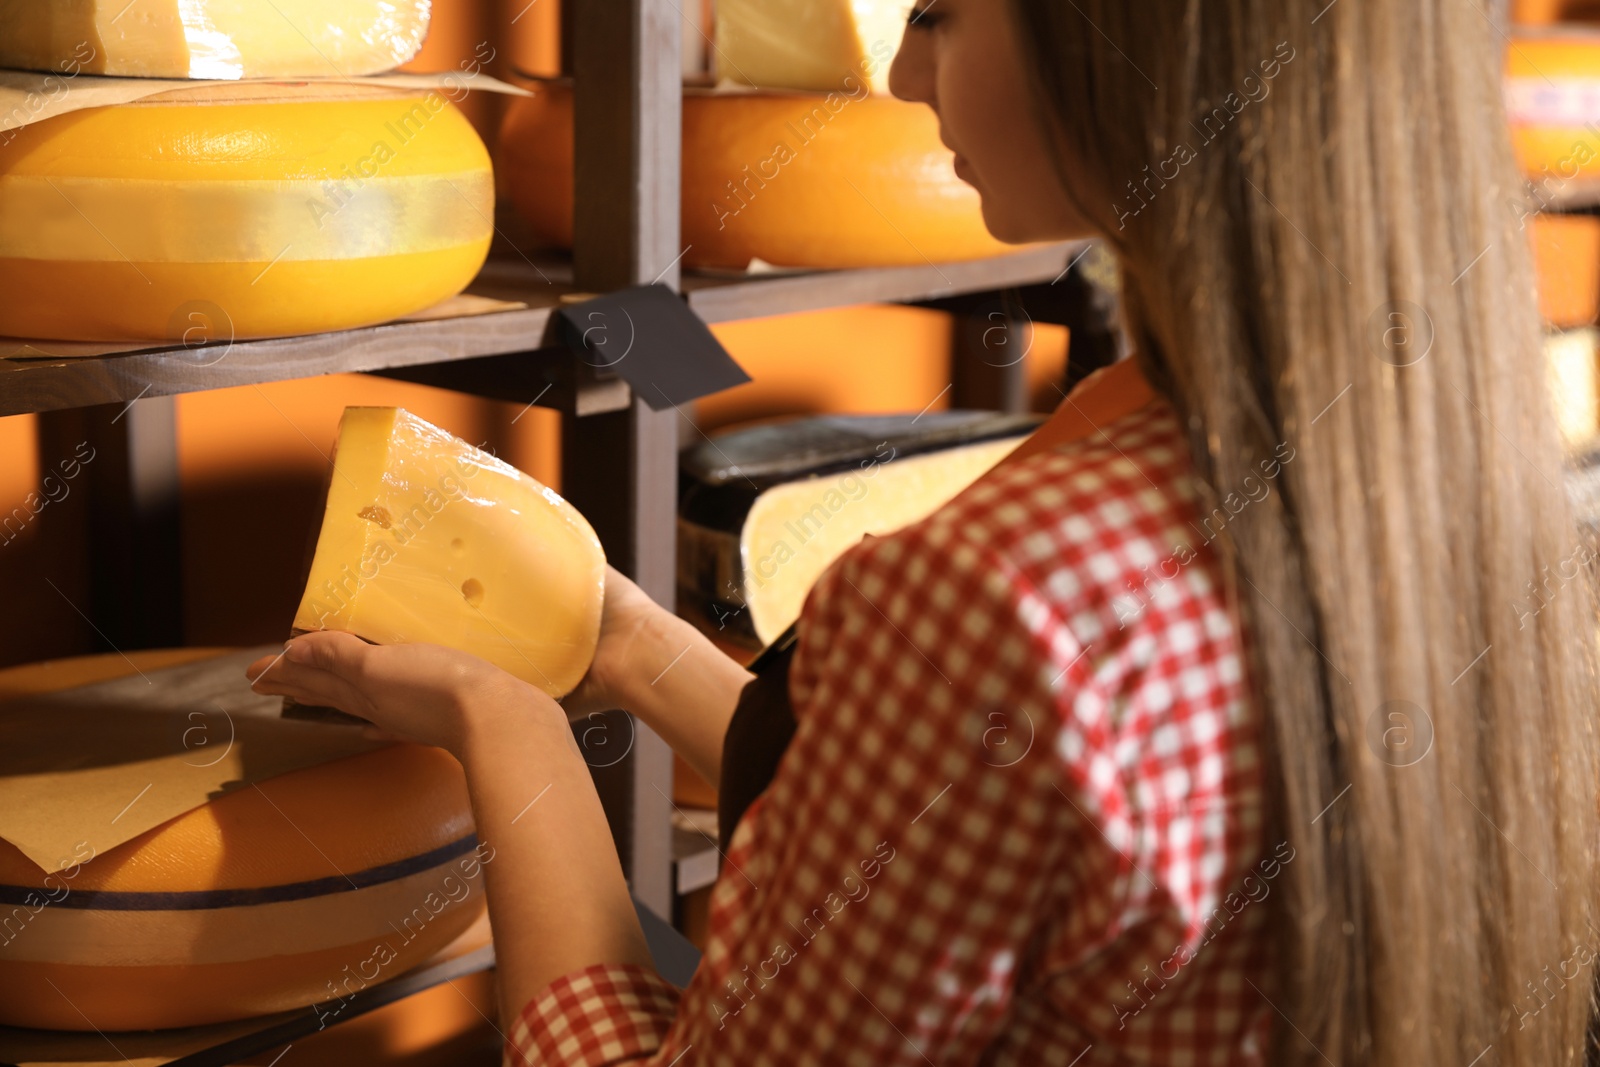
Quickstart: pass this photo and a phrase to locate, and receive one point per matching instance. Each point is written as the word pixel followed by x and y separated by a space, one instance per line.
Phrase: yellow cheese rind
pixel 794 531
pixel 427 539
pixel 221 215
pixel 214 39
pixel 809 44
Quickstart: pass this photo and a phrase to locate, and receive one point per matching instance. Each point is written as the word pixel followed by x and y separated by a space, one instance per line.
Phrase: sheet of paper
pixel 103 763
pixel 31 96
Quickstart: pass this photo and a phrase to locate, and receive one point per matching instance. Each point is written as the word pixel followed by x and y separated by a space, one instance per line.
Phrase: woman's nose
pixel 911 74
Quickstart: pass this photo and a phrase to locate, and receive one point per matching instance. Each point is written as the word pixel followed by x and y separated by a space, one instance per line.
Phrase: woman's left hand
pixel 426 693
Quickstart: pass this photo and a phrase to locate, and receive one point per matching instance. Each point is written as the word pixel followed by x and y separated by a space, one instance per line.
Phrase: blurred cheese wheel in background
pixel 794 179
pixel 1570 358
pixel 212 38
pixel 1552 93
pixel 308 887
pixel 1566 256
pixel 239 211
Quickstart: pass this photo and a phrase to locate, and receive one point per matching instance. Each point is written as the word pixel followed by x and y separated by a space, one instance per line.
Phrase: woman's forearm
pixel 557 898
pixel 684 688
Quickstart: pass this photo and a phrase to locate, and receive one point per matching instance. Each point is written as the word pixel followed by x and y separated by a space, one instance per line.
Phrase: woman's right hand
pixel 623 648
pixel 663 670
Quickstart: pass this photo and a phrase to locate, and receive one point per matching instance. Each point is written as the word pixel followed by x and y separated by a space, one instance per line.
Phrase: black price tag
pixel 648 336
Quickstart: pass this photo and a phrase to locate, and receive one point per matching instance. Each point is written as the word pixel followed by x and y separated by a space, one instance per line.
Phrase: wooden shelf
pixel 1579 194
pixel 474 348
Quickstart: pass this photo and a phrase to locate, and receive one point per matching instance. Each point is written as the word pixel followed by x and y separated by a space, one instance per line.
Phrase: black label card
pixel 648 336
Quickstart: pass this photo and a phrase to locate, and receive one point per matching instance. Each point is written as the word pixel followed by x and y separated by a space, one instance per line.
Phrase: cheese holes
pixel 376 513
pixel 472 589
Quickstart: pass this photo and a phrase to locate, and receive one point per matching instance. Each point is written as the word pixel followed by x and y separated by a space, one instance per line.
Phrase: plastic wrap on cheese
pixel 427 539
pixel 822 45
pixel 224 39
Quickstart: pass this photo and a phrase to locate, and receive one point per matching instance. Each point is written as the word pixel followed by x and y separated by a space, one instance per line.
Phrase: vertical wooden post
pixel 988 345
pixel 135 569
pixel 621 469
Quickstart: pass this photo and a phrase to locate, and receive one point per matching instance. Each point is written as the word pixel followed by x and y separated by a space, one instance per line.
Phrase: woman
pixel 1299 771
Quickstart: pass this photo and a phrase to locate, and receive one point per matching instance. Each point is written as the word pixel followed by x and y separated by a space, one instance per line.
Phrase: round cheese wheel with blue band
pixel 301 890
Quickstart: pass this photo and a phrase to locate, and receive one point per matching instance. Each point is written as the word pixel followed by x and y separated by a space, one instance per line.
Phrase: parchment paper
pixel 103 763
pixel 30 96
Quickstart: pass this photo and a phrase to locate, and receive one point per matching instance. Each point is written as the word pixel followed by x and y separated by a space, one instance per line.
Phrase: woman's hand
pixel 557 897
pixel 426 693
pixel 621 654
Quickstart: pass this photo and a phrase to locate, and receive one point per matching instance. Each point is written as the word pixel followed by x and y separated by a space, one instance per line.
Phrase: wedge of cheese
pixel 215 213
pixel 768 508
pixel 426 538
pixel 809 44
pixel 226 39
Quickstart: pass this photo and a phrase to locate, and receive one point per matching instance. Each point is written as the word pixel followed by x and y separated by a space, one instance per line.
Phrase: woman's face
pixel 963 59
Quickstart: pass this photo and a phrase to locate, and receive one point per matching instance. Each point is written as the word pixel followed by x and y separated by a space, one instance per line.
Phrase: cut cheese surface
pixel 427 539
pixel 1574 383
pixel 794 531
pixel 240 211
pixel 222 39
pixel 809 44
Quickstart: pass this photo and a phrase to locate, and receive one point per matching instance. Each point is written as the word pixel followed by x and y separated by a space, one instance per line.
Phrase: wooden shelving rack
pixel 619 457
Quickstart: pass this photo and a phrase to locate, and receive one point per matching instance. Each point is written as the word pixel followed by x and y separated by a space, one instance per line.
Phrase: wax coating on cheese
pixel 220 213
pixel 794 531
pixel 795 179
pixel 225 911
pixel 213 39
pixel 809 44
pixel 427 539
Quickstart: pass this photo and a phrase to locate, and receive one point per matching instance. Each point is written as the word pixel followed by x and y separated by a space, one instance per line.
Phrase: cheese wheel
pixel 1566 257
pixel 238 211
pixel 224 39
pixel 303 889
pixel 1552 94
pixel 426 538
pixel 794 179
pixel 809 44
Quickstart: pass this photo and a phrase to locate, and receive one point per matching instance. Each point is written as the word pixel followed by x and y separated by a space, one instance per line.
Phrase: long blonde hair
pixel 1316 210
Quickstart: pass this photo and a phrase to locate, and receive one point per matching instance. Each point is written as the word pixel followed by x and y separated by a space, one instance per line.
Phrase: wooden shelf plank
pixel 50 384
pixel 46 384
pixel 723 299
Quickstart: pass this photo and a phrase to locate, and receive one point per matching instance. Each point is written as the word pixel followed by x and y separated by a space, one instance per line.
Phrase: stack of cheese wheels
pixel 792 178
pixel 221 212
pixel 1553 104
pixel 303 890
pixel 212 38
pixel 426 538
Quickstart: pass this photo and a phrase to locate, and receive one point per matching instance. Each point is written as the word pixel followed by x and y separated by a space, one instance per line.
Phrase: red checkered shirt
pixel 1020 821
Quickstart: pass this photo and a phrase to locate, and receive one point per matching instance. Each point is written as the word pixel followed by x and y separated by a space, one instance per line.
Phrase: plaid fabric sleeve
pixel 601 1015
